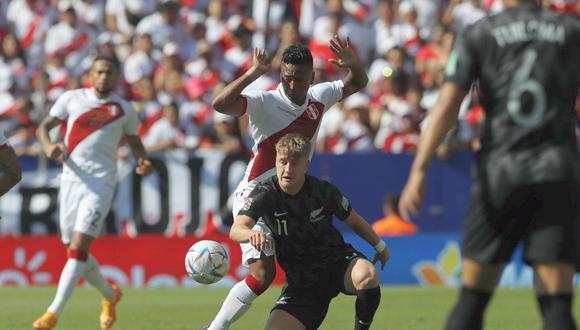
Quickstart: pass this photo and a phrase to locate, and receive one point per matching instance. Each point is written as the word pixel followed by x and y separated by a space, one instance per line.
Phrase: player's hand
pixel 260 62
pixel 346 57
pixel 55 151
pixel 260 240
pixel 383 256
pixel 412 196
pixel 143 167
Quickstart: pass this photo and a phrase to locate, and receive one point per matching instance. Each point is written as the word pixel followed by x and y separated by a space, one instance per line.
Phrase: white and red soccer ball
pixel 207 262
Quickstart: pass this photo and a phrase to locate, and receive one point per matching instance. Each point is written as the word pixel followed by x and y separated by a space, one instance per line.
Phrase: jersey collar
pixel 284 97
pixel 93 97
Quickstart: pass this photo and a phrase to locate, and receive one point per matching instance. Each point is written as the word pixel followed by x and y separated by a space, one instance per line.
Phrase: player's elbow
pixel 360 84
pixel 218 104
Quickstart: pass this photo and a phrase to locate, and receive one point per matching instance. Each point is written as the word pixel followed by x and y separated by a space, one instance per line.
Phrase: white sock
pixel 94 276
pixel 235 305
pixel 69 278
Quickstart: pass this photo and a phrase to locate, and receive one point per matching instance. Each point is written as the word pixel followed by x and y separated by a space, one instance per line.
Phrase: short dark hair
pixel 297 54
pixel 109 59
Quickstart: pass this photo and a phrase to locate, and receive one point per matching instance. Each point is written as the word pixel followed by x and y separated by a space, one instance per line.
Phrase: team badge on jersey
pixel 312 112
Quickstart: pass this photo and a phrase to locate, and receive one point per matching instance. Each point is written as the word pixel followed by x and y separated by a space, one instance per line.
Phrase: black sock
pixel 557 311
pixel 367 302
pixel 468 311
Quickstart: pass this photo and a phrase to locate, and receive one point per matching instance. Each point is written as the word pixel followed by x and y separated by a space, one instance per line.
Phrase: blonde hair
pixel 293 145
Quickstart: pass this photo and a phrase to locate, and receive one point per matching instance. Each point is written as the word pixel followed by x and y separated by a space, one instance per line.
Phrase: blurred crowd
pixel 175 55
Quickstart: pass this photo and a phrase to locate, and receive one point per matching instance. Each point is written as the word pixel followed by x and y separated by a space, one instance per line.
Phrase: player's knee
pixel 365 276
pixel 264 271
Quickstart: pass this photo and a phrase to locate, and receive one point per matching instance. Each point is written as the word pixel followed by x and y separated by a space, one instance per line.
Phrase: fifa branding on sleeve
pixel 451 67
pixel 345 203
pixel 247 203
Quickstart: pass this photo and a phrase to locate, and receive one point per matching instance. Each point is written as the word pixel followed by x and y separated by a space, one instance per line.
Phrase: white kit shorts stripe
pixel 249 252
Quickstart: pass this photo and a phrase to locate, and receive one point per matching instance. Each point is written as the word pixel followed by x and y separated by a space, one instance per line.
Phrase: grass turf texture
pixel 164 309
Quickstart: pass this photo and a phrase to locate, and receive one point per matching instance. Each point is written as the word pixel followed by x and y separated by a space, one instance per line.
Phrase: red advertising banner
pixel 144 261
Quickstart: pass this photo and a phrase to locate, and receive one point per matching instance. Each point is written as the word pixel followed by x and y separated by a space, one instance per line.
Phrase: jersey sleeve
pixel 254 101
pixel 131 126
pixel 339 204
pixel 329 92
pixel 255 204
pixel 59 108
pixel 461 64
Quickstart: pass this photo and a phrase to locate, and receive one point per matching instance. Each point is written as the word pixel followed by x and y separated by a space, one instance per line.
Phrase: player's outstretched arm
pixel 441 119
pixel 11 171
pixel 138 150
pixel 357 78
pixel 51 150
pixel 242 232
pixel 230 101
pixel 362 228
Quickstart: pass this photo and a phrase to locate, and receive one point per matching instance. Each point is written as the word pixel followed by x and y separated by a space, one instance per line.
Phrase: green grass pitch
pixel 165 309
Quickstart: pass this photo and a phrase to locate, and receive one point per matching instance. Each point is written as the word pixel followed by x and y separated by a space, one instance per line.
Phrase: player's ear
pixel 312 78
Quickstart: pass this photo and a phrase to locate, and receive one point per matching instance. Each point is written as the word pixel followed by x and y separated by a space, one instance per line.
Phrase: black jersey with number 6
pixel 306 240
pixel 526 62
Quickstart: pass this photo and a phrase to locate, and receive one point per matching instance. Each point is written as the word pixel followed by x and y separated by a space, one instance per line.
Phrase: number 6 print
pixel 521 83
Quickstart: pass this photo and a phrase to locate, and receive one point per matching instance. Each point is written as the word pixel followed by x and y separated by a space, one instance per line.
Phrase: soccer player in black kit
pixel 298 209
pixel 526 63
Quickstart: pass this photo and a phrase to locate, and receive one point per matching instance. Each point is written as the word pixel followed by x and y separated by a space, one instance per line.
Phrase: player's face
pixel 291 172
pixel 104 77
pixel 296 80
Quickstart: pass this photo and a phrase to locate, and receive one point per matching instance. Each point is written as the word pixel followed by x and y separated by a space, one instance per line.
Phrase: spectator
pixel 462 13
pixel 354 132
pixel 69 39
pixel 165 27
pixel 123 16
pixel 12 57
pixel 238 59
pixel 385 38
pixel 140 63
pixel 268 17
pixel 23 141
pixel 224 135
pixel 164 134
pixel 403 140
pixel 392 224
pixel 30 20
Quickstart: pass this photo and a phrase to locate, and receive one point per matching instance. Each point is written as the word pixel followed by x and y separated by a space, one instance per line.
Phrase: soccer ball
pixel 207 262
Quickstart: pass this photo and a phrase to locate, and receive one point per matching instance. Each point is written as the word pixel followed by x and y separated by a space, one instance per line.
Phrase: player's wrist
pixel 254 72
pixel 380 247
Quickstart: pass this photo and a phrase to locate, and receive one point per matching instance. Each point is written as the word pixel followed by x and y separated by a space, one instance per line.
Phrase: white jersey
pixel 272 115
pixel 94 129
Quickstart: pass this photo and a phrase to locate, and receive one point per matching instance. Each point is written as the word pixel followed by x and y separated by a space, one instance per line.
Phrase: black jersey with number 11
pixel 307 242
pixel 526 63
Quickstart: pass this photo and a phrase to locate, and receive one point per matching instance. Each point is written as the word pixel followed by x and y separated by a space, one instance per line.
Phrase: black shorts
pixel 310 304
pixel 543 216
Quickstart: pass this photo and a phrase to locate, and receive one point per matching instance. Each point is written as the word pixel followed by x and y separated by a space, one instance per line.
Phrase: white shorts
pixel 83 208
pixel 249 252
